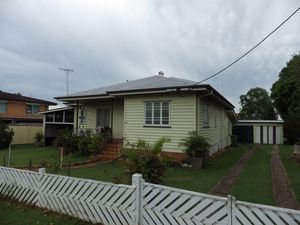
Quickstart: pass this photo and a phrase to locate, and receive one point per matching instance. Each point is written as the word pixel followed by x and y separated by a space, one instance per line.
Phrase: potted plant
pixel 39 139
pixel 197 149
pixel 297 147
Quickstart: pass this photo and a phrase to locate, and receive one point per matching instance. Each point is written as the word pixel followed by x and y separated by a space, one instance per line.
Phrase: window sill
pixel 158 126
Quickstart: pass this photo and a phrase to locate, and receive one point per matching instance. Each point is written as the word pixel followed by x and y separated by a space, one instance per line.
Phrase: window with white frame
pixel 157 113
pixel 3 107
pixel 32 108
pixel 205 115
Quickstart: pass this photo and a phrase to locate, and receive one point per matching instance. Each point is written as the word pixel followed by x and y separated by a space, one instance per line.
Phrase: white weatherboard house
pixel 154 107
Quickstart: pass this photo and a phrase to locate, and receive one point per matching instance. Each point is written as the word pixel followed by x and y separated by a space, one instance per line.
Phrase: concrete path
pixel 282 192
pixel 224 185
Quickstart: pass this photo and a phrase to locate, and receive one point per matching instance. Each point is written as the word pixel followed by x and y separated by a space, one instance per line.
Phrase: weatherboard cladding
pixel 218 133
pixel 182 119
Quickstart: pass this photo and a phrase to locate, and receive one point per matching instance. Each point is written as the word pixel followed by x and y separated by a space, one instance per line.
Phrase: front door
pixel 103 117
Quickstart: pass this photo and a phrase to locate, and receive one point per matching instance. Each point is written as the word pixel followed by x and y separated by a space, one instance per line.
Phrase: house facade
pixel 155 107
pixel 21 114
pixel 16 108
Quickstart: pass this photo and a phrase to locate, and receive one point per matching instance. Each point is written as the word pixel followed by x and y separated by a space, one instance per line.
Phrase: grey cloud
pixel 111 41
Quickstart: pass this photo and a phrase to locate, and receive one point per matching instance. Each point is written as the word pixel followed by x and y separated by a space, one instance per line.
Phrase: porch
pixel 97 115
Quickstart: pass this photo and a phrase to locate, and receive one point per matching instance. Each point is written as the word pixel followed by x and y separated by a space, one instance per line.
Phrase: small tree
pixel 39 138
pixel 196 146
pixel 6 135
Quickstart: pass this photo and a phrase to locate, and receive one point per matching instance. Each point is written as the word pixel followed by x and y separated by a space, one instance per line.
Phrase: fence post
pixel 9 156
pixel 231 210
pixel 137 181
pixel 41 171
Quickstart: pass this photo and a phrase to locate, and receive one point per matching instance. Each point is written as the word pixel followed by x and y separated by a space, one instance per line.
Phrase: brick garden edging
pixel 224 185
pixel 282 192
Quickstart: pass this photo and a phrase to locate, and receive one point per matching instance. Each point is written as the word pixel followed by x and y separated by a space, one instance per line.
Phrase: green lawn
pixel 22 154
pixel 292 167
pixel 185 178
pixel 255 181
pixel 13 213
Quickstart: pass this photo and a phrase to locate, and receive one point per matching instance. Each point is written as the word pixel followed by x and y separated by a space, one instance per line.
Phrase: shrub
pixel 6 135
pixel 145 159
pixel 196 145
pixel 38 137
pixel 67 140
pixel 86 143
pixel 98 142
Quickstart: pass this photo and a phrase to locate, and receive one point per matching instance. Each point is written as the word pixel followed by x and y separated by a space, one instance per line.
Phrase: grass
pixel 185 178
pixel 255 181
pixel 204 180
pixel 13 213
pixel 292 167
pixel 22 154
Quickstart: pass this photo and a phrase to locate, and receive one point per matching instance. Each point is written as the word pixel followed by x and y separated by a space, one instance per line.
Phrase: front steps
pixel 112 150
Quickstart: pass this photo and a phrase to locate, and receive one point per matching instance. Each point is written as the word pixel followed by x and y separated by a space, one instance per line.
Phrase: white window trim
pixel 32 104
pixel 152 114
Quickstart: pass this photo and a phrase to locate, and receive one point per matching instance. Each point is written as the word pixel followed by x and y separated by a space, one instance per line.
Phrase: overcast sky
pixel 106 42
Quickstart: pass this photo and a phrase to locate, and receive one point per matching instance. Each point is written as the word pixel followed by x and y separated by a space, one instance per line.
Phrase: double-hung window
pixel 157 113
pixel 205 115
pixel 3 107
pixel 32 108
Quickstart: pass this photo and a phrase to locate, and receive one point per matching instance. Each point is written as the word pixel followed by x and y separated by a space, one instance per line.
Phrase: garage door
pixel 267 135
pixel 244 133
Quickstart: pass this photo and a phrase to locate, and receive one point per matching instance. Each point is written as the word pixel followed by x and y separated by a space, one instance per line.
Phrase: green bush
pixel 67 140
pixel 98 142
pixel 196 145
pixel 38 137
pixel 6 135
pixel 86 143
pixel 146 159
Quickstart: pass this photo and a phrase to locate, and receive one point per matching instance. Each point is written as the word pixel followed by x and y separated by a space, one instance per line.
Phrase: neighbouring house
pixel 154 107
pixel 21 113
pixel 259 131
pixel 55 120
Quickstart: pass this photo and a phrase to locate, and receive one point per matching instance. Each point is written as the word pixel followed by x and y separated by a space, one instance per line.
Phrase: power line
pixel 251 49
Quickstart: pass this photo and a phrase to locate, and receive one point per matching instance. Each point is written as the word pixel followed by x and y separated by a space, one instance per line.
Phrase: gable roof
pixel 150 84
pixel 20 98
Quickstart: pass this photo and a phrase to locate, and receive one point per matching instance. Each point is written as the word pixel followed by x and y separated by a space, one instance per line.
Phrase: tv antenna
pixel 67 71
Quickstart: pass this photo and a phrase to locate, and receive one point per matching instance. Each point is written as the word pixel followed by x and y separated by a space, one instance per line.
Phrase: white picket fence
pixel 141 203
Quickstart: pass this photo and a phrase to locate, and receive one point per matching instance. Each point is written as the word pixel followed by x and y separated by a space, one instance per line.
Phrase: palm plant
pixel 196 146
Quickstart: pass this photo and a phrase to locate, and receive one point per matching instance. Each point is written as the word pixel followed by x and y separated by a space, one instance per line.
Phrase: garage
pixel 259 131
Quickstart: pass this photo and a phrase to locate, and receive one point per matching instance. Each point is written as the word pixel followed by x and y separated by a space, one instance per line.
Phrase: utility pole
pixel 67 71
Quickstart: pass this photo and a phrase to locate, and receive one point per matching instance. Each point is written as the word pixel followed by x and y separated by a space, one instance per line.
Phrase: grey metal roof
pixel 261 121
pixel 152 82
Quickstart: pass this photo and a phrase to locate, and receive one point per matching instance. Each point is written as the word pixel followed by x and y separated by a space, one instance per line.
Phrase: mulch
pixel 282 192
pixel 224 185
